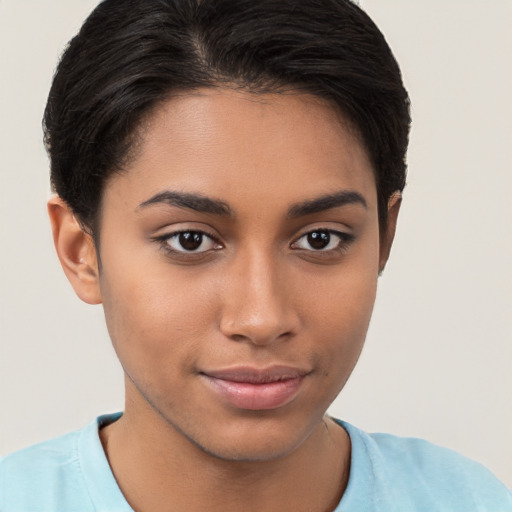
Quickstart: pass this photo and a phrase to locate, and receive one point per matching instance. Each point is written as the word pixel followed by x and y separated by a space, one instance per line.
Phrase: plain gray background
pixel 437 363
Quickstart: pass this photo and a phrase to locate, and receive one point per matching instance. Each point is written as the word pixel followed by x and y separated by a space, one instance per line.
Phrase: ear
pixel 388 232
pixel 76 251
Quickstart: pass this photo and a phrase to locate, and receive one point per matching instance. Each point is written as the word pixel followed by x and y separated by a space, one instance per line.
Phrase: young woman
pixel 228 176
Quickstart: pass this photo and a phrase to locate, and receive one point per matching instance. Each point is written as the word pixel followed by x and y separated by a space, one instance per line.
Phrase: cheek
pixel 344 321
pixel 339 312
pixel 155 318
pixel 342 296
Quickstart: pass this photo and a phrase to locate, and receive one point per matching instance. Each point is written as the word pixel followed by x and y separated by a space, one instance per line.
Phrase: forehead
pixel 242 147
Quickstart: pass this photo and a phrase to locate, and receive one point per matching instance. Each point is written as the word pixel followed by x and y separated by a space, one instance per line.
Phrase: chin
pixel 250 450
pixel 257 438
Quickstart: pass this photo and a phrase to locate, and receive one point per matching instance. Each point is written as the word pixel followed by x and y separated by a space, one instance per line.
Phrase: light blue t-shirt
pixel 387 474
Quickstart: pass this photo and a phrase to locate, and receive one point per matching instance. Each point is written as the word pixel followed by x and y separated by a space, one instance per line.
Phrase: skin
pixel 255 294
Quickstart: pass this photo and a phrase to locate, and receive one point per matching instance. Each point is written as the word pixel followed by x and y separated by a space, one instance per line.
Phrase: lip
pixel 256 389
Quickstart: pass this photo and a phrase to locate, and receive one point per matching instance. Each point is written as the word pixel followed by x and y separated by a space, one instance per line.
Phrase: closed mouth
pixel 250 388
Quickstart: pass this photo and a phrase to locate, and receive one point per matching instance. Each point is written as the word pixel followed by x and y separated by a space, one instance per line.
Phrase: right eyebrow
pixel 196 202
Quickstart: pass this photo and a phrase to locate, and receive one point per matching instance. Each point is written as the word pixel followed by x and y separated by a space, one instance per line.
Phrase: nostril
pixel 259 338
pixel 239 337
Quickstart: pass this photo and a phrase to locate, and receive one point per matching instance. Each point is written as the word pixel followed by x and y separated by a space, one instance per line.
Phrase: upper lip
pixel 253 375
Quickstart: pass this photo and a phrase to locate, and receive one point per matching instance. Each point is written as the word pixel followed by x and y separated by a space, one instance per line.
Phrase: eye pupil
pixel 319 239
pixel 191 240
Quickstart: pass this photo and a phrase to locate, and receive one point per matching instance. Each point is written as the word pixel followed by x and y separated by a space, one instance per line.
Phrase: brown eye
pixel 323 240
pixel 319 240
pixel 190 241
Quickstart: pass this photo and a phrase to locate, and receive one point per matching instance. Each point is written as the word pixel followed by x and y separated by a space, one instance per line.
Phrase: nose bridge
pixel 258 304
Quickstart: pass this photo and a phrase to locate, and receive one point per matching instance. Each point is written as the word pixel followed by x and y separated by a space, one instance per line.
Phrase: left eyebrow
pixel 322 203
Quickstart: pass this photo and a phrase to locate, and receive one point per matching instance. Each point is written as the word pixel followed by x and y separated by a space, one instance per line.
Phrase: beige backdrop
pixel 438 358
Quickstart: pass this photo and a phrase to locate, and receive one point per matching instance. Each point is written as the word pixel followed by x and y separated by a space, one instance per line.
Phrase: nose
pixel 258 302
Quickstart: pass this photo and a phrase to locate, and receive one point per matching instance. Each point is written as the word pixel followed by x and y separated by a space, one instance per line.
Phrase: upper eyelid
pixel 180 231
pixel 170 233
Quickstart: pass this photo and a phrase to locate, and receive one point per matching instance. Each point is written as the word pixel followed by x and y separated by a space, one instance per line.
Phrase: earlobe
pixel 76 251
pixel 388 233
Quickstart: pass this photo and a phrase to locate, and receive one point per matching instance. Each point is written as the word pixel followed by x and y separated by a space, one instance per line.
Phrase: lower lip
pixel 256 397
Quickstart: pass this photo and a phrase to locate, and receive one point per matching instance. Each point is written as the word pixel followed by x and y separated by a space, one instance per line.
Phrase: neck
pixel 159 469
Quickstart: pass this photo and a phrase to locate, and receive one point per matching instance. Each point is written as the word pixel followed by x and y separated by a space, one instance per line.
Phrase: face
pixel 240 254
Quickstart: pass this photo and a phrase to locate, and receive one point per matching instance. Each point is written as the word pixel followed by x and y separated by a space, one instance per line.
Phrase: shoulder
pixel 44 455
pixel 70 473
pixel 33 478
pixel 413 471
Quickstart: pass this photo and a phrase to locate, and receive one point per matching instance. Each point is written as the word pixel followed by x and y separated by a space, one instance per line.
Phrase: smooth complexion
pixel 240 253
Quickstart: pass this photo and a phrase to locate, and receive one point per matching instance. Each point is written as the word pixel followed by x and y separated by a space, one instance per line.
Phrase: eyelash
pixel 345 239
pixel 165 239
